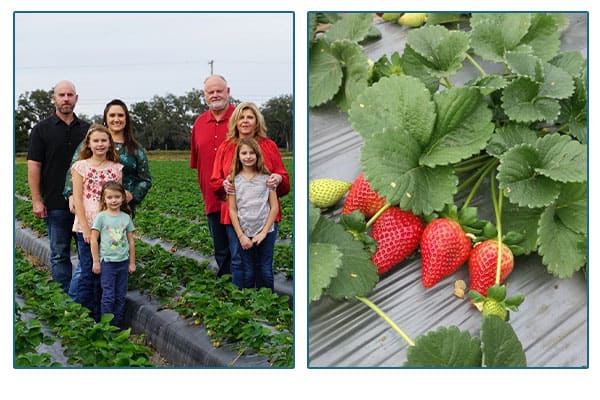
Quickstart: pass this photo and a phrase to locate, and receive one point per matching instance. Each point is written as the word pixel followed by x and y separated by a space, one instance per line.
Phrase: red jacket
pixel 222 169
pixel 207 135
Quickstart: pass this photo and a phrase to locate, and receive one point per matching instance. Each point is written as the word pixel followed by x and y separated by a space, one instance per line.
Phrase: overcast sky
pixel 135 56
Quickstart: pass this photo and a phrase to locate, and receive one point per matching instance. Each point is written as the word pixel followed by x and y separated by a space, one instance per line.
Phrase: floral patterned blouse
pixel 136 173
pixel 93 180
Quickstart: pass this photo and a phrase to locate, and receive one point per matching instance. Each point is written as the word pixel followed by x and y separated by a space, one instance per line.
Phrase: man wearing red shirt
pixel 208 132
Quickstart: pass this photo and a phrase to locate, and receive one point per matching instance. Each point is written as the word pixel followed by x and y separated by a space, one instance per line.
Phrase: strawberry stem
pixel 490 165
pixel 476 65
pixel 377 214
pixel 387 319
pixel 498 211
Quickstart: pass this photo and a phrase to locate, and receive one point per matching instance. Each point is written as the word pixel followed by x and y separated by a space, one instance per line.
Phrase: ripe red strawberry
pixel 361 197
pixel 444 248
pixel 397 233
pixel 482 265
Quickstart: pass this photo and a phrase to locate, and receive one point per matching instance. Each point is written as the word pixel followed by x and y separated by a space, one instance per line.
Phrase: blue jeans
pixel 59 224
pixel 74 283
pixel 252 268
pixel 89 291
pixel 113 279
pixel 220 243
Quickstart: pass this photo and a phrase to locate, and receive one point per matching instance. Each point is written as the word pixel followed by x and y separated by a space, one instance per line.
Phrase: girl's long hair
pixel 236 164
pixel 130 142
pixel 117 187
pixel 261 128
pixel 86 152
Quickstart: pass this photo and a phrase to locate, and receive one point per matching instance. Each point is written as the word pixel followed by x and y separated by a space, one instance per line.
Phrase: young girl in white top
pixel 114 257
pixel 253 209
pixel 97 164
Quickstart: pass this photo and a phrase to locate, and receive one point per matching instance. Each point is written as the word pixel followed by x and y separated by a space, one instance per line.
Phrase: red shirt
pixel 222 169
pixel 207 135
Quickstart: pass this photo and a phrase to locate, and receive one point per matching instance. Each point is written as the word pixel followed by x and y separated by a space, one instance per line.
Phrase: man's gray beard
pixel 218 106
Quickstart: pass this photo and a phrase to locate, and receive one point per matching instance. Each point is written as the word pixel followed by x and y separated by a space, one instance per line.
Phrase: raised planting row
pixel 249 321
pixel 86 343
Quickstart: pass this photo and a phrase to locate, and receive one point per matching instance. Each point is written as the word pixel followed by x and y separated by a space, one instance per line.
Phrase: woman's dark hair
pixel 130 142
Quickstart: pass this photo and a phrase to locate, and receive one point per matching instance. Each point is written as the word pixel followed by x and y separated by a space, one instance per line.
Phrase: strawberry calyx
pixel 355 224
pixel 496 302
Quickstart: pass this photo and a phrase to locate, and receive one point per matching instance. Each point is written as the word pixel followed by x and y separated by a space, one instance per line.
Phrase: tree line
pixel 162 123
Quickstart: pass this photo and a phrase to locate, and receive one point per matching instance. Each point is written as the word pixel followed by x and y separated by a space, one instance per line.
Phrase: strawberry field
pixel 459 235
pixel 176 268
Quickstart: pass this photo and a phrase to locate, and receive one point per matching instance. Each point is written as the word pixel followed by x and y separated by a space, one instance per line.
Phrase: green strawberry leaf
pixel 521 101
pixel 519 180
pixel 489 84
pixel 562 158
pixel 414 65
pixel 445 347
pixel 357 275
pixel 390 163
pixel 325 260
pixel 558 83
pixel 314 213
pixel 562 228
pixel 524 64
pixel 494 34
pixel 325 74
pixel 570 61
pixel 543 36
pixel 355 72
pixel 509 136
pixel 442 51
pixel 571 207
pixel 524 221
pixel 444 18
pixel 463 127
pixel 573 113
pixel 385 66
pixel 500 345
pixel 353 27
pixel 397 101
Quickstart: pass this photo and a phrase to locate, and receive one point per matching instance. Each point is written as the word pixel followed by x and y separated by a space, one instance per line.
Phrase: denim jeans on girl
pixel 89 291
pixel 113 279
pixel 59 224
pixel 252 268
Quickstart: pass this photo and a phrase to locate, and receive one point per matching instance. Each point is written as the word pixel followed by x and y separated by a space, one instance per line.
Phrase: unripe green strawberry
pixel 412 20
pixel 483 263
pixel 492 307
pixel 397 233
pixel 325 192
pixel 362 198
pixel 444 248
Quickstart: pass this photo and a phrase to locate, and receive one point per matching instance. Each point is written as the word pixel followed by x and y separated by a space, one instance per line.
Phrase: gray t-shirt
pixel 252 199
pixel 113 235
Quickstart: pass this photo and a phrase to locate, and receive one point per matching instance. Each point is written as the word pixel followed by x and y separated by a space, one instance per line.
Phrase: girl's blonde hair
pixel 236 164
pixel 261 129
pixel 86 152
pixel 117 187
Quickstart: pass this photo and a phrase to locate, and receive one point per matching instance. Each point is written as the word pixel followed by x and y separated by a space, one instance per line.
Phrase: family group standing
pixel 87 181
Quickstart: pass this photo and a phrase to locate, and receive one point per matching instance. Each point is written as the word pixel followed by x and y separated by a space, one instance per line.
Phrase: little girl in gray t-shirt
pixel 252 209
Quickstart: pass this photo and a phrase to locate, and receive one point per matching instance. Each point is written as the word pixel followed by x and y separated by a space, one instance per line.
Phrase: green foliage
pixel 86 343
pixel 526 126
pixel 339 265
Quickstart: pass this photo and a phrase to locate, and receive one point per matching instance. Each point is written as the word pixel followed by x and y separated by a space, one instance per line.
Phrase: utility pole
pixel 211 63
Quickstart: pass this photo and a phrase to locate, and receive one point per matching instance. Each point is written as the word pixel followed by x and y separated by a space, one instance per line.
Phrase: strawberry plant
pixel 430 143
